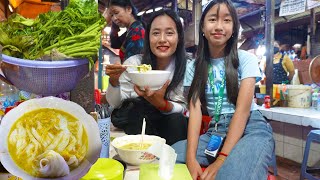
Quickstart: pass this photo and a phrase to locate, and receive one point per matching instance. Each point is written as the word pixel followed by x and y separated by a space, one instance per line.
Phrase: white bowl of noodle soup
pixel 134 155
pixel 90 138
pixel 155 79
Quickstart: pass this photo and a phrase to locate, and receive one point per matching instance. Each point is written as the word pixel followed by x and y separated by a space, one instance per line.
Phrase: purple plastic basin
pixel 44 77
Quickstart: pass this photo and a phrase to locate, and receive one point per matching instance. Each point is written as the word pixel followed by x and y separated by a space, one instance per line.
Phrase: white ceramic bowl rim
pixel 123 140
pixel 135 157
pixel 154 79
pixel 92 129
pixel 155 72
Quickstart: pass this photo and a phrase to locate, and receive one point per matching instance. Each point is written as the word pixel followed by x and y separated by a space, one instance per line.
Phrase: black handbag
pixel 119 117
pixel 129 115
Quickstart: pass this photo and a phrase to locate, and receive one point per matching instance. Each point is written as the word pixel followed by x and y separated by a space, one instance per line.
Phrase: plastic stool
pixel 314 135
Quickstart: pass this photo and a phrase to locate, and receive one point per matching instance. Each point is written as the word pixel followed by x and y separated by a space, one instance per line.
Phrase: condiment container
pixel 299 96
pixel 267 101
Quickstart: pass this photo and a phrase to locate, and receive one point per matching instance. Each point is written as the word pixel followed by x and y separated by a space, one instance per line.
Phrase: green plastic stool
pixel 105 169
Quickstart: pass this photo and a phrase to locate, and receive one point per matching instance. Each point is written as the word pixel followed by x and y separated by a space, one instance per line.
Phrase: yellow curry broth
pixel 136 146
pixel 46 129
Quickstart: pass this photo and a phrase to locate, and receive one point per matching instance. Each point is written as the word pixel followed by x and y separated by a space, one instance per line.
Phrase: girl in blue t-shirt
pixel 239 142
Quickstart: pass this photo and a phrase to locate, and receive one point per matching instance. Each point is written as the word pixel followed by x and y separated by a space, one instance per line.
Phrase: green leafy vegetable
pixel 74 32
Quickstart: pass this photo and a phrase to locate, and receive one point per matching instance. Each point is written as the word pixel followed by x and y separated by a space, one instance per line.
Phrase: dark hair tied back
pixel 124 4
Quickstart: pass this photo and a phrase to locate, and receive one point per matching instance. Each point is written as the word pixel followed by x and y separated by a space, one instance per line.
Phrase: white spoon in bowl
pixel 143 131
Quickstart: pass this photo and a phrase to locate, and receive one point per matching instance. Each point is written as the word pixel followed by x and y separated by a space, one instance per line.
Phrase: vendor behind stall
pixel 283 68
pixel 124 14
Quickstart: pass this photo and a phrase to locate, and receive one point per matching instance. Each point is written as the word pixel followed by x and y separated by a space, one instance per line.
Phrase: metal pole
pixel 269 38
pixel 175 5
pixel 187 2
pixel 100 66
pixel 196 15
pixel 6 4
pixel 312 31
pixel 64 4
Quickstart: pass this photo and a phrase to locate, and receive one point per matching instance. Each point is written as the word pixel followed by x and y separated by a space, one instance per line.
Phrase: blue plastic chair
pixel 314 135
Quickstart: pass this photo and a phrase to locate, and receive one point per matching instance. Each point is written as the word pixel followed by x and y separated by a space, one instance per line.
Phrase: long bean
pixel 85 49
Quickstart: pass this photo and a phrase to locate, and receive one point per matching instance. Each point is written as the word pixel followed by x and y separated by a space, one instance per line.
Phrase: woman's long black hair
pixel 180 54
pixel 231 61
pixel 124 4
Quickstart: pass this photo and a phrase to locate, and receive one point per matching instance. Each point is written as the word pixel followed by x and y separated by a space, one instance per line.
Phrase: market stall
pixel 292 124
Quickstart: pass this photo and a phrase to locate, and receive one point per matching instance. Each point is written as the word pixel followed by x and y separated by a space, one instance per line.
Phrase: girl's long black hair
pixel 197 89
pixel 180 54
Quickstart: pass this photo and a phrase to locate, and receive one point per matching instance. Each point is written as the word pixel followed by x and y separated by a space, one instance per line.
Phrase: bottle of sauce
pixel 267 101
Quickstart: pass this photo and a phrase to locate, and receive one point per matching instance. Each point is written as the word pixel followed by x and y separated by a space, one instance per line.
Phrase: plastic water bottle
pixel 105 77
pixel 295 79
pixel 8 95
pixel 314 100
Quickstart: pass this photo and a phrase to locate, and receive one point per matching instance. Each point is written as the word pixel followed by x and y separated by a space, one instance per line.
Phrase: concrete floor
pixel 289 170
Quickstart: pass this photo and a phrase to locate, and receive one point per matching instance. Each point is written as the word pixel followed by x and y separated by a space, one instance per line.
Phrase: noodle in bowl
pixel 78 133
pixel 129 150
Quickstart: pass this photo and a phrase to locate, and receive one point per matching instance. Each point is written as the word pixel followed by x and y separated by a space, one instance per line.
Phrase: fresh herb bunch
pixel 15 36
pixel 74 32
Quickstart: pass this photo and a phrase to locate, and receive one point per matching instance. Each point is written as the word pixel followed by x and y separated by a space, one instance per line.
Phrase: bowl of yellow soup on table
pixel 49 138
pixel 132 151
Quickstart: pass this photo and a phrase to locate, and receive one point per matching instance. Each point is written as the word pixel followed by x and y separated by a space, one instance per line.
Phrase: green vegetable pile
pixel 72 33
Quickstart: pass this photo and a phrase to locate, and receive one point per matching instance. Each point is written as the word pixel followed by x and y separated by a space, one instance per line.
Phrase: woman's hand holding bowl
pixel 155 97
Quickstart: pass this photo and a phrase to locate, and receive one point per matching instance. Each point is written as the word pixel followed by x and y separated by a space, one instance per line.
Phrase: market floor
pixel 289 170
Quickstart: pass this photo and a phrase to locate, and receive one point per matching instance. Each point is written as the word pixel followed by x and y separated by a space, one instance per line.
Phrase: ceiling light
pixel 298 46
pixel 10 8
pixel 149 11
pixel 140 13
pixel 261 50
pixel 158 8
